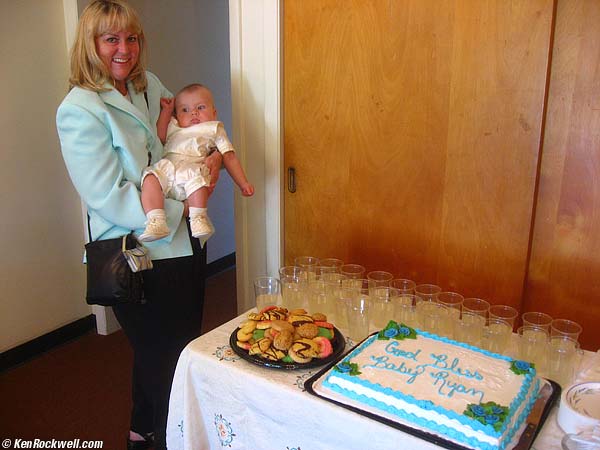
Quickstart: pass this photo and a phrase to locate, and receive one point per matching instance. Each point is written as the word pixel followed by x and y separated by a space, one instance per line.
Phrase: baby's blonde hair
pixel 191 88
pixel 99 17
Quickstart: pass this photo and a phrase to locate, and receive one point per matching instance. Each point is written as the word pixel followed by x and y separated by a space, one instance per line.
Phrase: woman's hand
pixel 186 208
pixel 214 162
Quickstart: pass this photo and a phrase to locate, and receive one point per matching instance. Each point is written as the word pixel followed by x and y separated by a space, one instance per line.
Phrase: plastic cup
pixel 405 285
pixel 353 270
pixel 564 357
pixel 333 284
pixel 317 298
pixel 382 306
pixel 308 263
pixel 533 345
pixel 342 302
pixel 293 271
pixel 477 306
pixel 333 263
pixel 360 285
pixel 380 277
pixel 536 319
pixel 504 312
pixel 405 309
pixel 565 327
pixel 358 317
pixel 453 303
pixel 427 292
pixel 469 329
pixel 267 291
pixel 496 335
pixel 294 292
pixel 433 317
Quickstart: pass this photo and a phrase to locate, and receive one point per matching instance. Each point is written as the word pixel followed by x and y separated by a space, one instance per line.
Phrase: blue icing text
pixel 381 362
pixel 391 348
pixel 440 369
pixel 448 388
pixel 441 363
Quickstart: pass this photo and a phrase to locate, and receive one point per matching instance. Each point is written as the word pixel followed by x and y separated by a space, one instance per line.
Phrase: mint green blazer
pixel 105 142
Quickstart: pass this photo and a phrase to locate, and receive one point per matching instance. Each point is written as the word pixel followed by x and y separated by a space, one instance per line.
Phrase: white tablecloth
pixel 218 400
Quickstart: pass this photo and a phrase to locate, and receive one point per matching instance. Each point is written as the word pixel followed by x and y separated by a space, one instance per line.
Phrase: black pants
pixel 158 331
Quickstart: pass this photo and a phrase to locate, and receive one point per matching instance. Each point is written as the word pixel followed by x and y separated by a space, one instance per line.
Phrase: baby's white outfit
pixel 182 170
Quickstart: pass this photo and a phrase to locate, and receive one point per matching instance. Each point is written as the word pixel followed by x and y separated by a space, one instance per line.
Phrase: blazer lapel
pixel 136 108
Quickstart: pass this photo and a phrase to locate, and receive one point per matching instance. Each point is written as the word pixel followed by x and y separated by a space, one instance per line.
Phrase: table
pixel 218 400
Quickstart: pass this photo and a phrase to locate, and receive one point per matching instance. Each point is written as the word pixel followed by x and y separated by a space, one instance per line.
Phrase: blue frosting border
pixel 428 405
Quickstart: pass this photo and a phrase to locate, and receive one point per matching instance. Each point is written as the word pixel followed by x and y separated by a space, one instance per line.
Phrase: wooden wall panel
pixel 414 128
pixel 564 275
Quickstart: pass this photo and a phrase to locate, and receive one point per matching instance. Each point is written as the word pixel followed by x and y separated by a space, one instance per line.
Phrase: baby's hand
pixel 247 190
pixel 167 104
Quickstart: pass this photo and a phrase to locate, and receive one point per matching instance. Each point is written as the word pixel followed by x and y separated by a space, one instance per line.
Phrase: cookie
pixel 273 354
pixel 256 316
pixel 264 344
pixel 275 314
pixel 244 335
pixel 308 330
pixel 319 317
pixel 296 357
pixel 325 348
pixel 283 340
pixel 299 319
pixel 280 325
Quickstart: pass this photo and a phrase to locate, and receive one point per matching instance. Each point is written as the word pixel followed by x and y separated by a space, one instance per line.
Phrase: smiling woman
pixel 107 130
pixel 110 46
pixel 119 51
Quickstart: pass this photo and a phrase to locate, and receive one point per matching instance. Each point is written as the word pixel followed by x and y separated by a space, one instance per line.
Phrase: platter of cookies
pixel 277 338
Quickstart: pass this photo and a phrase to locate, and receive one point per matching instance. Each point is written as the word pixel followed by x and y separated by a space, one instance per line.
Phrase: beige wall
pixel 41 275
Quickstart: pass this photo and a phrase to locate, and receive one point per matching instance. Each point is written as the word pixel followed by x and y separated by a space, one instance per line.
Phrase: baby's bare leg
pixel 154 207
pixel 199 222
pixel 198 198
pixel 152 194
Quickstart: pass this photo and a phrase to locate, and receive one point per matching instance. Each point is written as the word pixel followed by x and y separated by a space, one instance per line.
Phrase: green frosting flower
pixel 489 413
pixel 398 331
pixel 347 367
pixel 521 367
pixel 390 332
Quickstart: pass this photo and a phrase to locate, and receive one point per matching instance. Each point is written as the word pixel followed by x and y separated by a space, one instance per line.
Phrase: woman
pixel 107 129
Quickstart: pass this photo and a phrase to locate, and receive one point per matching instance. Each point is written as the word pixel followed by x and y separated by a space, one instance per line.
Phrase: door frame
pixel 255 32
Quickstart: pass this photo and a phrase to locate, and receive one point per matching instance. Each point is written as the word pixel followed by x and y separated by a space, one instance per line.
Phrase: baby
pixel 189 138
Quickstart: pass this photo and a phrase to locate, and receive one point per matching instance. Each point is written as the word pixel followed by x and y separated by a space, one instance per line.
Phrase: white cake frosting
pixel 467 395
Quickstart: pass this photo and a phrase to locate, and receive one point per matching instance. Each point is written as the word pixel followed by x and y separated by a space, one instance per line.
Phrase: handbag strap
pixel 89 228
pixel 148 105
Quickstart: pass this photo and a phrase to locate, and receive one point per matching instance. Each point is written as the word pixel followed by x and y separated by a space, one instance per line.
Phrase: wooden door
pixel 414 131
pixel 564 275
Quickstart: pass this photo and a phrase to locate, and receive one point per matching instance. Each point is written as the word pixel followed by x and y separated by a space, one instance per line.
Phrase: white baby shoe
pixel 156 228
pixel 202 228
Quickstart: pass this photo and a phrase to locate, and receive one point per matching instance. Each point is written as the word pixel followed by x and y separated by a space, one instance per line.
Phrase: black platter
pixel 338 344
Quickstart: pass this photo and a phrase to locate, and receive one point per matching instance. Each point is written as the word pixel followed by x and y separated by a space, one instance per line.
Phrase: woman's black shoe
pixel 148 442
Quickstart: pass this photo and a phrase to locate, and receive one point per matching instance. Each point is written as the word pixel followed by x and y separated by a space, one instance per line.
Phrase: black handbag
pixel 114 269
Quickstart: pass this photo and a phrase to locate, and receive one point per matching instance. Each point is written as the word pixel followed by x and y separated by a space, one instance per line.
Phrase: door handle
pixel 291 179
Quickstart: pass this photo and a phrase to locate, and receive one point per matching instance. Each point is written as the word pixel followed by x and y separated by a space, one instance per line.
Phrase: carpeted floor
pixel 82 388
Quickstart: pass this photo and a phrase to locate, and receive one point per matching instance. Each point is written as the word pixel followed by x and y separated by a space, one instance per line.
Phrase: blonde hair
pixel 191 88
pixel 99 17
